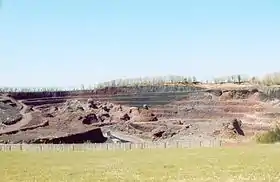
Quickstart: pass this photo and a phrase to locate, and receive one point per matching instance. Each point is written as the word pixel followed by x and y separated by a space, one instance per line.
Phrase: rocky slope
pixel 139 114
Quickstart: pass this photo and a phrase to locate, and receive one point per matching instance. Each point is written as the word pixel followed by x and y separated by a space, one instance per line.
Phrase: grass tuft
pixel 271 136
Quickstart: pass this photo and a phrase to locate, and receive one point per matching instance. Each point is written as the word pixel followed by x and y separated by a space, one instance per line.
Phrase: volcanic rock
pixel 90 119
pixel 125 117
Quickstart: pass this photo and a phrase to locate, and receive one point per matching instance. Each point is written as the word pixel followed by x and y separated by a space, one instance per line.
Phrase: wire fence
pixel 108 146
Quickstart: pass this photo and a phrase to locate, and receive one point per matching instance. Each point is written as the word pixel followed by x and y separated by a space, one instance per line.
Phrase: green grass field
pixel 254 163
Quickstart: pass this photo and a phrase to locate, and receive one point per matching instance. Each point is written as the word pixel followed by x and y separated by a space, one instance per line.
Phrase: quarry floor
pixel 203 114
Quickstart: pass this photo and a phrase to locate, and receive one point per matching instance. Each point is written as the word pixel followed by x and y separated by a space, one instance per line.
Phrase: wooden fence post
pixel 124 146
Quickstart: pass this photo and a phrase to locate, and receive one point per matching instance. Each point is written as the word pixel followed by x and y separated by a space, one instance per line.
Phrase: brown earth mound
pixel 238 94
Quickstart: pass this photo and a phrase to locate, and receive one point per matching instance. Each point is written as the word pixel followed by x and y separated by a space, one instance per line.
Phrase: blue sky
pixel 71 42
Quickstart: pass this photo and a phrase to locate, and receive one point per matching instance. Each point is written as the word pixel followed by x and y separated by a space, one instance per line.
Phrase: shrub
pixel 271 136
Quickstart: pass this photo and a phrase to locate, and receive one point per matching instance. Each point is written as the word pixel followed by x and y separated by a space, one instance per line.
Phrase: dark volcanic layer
pixel 107 91
pixel 93 136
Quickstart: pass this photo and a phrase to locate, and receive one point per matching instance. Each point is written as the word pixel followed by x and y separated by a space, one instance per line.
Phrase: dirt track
pixel 186 115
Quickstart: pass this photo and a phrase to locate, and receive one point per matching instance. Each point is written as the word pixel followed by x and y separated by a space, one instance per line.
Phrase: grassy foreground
pixel 255 163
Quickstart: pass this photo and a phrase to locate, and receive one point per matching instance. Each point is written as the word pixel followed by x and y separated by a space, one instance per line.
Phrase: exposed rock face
pixel 9 115
pixel 90 119
pixel 73 106
pixel 46 123
pixel 107 112
pixel 125 117
pixel 134 110
pixel 9 102
pixel 162 132
pixel 106 108
pixel 93 136
pixel 70 122
pixel 215 92
pixel 29 109
pixel 238 94
pixel 143 116
pixel 175 111
pixel 92 104
pixel 103 116
pixel 53 109
pixel 48 115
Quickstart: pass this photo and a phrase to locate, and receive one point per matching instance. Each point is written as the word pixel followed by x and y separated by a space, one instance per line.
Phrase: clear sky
pixel 74 42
